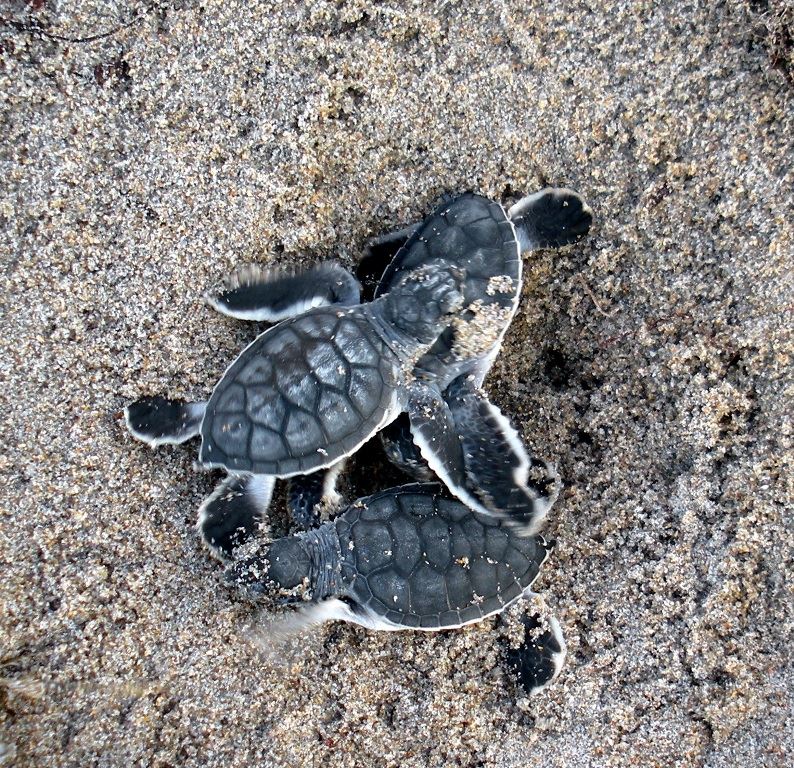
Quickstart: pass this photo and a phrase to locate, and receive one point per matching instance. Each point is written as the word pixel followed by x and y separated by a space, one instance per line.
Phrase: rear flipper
pixel 499 472
pixel 539 659
pixel 233 512
pixel 550 218
pixel 309 495
pixel 272 294
pixel 159 421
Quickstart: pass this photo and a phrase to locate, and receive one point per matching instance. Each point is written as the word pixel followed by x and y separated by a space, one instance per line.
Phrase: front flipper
pixel 231 514
pixel 309 495
pixel 550 218
pixel 272 294
pixel 539 659
pixel 436 435
pixel 160 421
pixel 475 451
pixel 499 472
pixel 400 448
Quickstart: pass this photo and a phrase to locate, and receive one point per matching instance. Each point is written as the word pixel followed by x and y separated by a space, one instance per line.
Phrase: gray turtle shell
pixel 303 394
pixel 475 234
pixel 415 559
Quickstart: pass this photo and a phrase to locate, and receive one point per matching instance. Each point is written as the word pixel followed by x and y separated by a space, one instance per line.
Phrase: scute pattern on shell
pixel 302 394
pixel 422 560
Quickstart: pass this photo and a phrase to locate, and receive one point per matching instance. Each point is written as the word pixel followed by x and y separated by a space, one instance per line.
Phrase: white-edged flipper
pixel 477 454
pixel 161 421
pixel 435 434
pixel 270 294
pixel 283 635
pixel 400 448
pixel 538 660
pixel 285 624
pixel 499 471
pixel 232 513
pixel 309 495
pixel 550 218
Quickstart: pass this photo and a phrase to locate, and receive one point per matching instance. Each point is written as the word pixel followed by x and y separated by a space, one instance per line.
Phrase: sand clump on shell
pixel 651 362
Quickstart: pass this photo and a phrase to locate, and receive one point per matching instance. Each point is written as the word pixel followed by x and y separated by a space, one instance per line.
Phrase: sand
pixel 651 362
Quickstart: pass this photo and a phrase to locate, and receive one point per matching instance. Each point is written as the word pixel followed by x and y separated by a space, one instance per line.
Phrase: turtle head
pixel 424 300
pixel 281 568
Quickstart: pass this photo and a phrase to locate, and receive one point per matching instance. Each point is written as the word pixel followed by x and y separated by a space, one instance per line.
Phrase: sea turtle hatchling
pixel 487 467
pixel 312 389
pixel 406 558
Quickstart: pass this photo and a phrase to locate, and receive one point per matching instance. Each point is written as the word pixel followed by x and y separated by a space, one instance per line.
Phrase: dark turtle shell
pixel 417 559
pixel 474 234
pixel 302 395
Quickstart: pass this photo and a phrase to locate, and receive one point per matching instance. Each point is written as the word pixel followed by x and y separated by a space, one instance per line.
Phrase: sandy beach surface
pixel 146 149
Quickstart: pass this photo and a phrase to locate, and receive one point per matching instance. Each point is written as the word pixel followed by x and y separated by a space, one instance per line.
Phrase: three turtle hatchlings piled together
pixel 458 544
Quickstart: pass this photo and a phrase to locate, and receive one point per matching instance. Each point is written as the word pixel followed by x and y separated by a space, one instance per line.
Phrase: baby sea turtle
pixel 312 389
pixel 405 558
